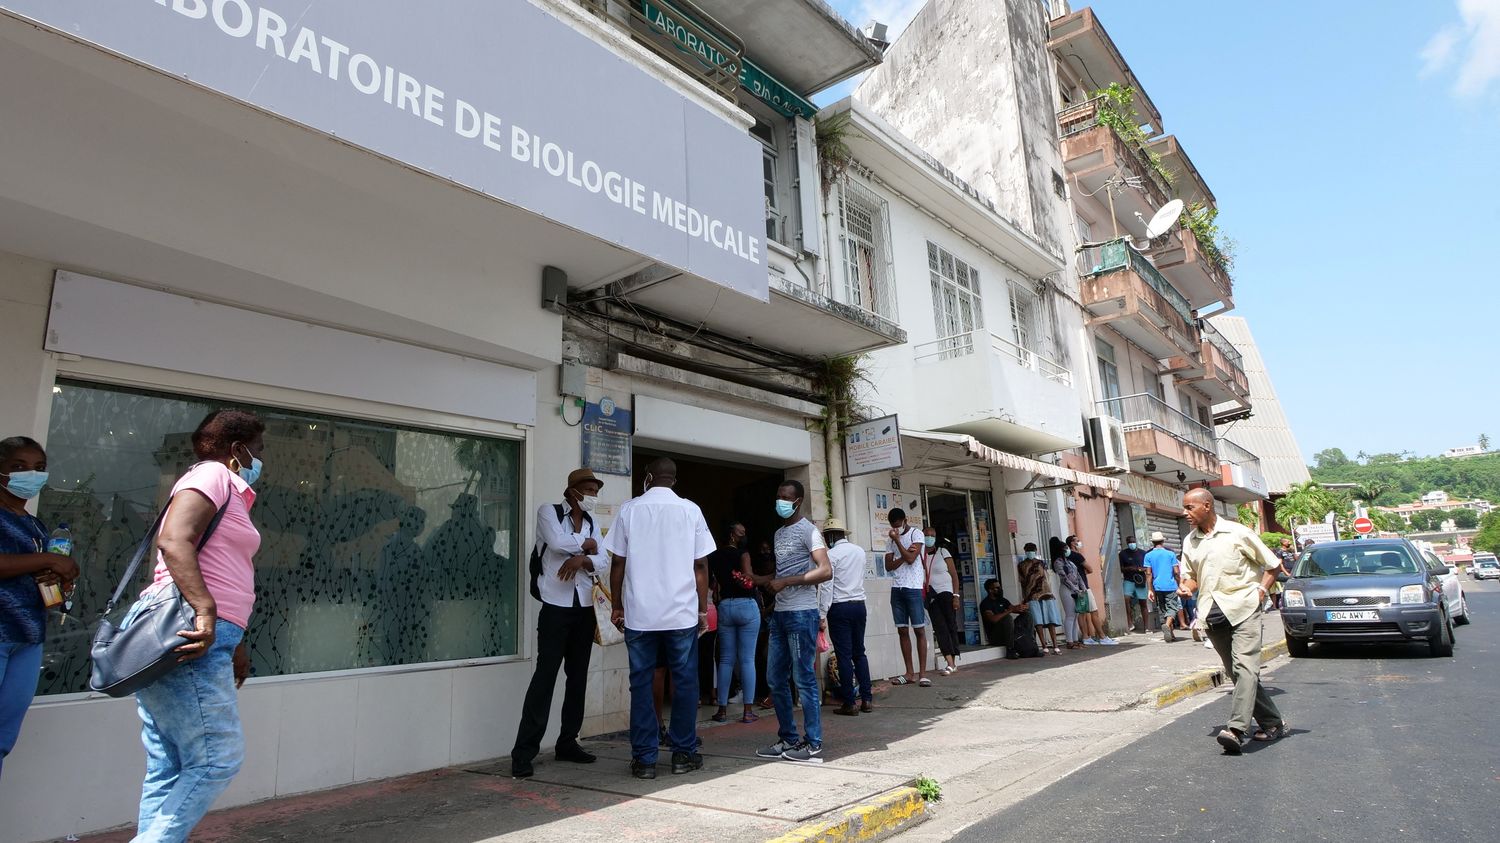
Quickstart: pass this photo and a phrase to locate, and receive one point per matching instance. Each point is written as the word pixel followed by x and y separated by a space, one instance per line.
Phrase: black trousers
pixel 564 638
pixel 944 622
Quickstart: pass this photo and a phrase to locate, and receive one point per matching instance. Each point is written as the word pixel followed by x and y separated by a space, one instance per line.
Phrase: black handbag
pixel 127 660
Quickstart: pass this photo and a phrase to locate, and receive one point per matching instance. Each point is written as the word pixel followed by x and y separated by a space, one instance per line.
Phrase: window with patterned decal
pixel 865 219
pixel 380 544
pixel 955 299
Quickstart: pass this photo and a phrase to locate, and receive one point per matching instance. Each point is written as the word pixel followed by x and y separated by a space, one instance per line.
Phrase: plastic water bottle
pixel 61 543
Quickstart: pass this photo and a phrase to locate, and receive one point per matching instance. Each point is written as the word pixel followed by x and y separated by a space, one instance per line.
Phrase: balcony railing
pixel 1117 254
pixel 681 33
pixel 1224 346
pixel 1232 453
pixel 960 345
pixel 1142 411
pixel 1078 118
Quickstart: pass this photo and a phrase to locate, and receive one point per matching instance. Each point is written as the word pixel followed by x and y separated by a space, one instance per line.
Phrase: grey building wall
pixel 972 83
pixel 1266 433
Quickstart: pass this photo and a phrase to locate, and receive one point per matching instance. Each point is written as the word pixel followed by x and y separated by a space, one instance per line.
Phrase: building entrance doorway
pixel 725 491
pixel 965 525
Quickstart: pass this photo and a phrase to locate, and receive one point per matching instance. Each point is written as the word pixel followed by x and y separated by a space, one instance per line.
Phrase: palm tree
pixel 1371 490
pixel 1306 502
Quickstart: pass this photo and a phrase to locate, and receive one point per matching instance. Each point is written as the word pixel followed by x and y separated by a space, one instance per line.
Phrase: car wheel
pixel 1463 617
pixel 1442 645
pixel 1296 647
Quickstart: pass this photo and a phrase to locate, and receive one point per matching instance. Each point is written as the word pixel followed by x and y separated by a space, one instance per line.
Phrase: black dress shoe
pixel 847 709
pixel 521 771
pixel 575 753
pixel 642 771
pixel 684 762
pixel 866 707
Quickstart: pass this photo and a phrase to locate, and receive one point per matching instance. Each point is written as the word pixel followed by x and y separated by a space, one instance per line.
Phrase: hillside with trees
pixel 1390 479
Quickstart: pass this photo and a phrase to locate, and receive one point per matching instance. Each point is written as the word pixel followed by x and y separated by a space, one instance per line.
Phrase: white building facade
pixel 442 290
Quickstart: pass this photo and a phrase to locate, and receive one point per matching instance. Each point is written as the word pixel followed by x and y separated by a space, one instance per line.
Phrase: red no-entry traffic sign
pixel 1364 526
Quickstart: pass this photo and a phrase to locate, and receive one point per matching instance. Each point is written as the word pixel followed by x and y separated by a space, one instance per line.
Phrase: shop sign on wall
pixel 872 446
pixel 606 437
pixel 468 90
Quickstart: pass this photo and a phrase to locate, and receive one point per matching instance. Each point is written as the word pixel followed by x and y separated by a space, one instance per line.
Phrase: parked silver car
pixel 1365 591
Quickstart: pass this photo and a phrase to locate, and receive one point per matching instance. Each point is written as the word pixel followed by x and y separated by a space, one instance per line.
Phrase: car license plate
pixel 1354 616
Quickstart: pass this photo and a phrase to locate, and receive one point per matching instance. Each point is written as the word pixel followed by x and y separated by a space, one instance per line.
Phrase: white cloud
pixel 1438 54
pixel 1482 65
pixel 1473 46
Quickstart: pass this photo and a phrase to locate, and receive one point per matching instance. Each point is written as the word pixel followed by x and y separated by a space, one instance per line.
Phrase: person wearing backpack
pixel 564 562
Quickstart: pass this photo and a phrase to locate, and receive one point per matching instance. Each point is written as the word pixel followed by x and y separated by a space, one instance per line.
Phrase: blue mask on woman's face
pixel 1031 554
pixel 930 541
pixel 785 508
pixel 252 473
pixel 25 484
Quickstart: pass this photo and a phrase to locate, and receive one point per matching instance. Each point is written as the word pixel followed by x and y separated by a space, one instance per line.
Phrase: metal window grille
pixel 865 221
pixel 955 293
pixel 1023 320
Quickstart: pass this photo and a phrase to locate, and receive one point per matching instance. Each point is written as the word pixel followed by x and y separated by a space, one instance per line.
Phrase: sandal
pixel 900 680
pixel 749 718
pixel 1275 733
pixel 720 716
pixel 924 682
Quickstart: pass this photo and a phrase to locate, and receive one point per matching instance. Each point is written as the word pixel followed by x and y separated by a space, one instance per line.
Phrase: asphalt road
pixel 1386 744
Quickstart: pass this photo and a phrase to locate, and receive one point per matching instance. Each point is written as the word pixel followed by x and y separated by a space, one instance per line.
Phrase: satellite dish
pixel 1164 219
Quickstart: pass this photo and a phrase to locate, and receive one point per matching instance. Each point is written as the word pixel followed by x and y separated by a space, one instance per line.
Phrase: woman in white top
pixel 942 598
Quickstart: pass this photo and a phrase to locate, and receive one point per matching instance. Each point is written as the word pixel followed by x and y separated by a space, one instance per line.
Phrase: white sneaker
pixel 1091 641
pixel 1109 642
pixel 1208 645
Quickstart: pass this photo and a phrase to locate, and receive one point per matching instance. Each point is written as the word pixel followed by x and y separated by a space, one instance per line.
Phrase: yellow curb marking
pixel 861 822
pixel 1203 680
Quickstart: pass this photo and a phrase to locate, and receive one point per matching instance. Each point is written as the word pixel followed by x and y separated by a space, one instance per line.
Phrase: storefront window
pixel 380 545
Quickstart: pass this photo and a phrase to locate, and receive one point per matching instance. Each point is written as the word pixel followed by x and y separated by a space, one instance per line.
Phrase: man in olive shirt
pixel 1231 569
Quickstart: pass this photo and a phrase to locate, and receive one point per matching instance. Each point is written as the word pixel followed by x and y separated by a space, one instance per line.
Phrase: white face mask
pixel 588 502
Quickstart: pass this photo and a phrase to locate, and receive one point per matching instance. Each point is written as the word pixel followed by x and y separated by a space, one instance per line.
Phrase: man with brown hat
pixel 564 563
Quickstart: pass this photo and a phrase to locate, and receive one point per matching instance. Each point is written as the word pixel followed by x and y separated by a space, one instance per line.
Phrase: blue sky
pixel 1354 148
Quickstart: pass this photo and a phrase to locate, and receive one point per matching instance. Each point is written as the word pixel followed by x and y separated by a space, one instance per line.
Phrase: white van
pixel 1485 567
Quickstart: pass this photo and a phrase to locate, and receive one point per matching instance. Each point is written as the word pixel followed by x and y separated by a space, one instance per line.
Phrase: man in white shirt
pixel 568 543
pixel 659 587
pixel 842 600
pixel 903 559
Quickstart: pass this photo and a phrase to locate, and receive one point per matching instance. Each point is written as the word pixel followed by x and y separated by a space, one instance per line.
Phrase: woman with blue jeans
pixel 732 580
pixel 24 565
pixel 190 719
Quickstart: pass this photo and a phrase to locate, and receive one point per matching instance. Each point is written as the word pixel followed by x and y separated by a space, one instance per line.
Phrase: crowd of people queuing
pixel 669 582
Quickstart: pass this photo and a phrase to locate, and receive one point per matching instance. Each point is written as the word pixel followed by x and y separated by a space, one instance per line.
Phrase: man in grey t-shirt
pixel 801 563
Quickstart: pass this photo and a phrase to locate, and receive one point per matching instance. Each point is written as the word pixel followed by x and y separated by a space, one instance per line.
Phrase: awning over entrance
pixel 974 450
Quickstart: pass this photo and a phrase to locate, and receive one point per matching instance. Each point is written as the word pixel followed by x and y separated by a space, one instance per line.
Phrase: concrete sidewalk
pixel 989 734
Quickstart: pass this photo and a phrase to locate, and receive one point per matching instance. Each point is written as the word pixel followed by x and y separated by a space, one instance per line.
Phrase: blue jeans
pixel 20 668
pixel 794 655
pixel 677 651
pixel 194 745
pixel 739 627
pixel 846 628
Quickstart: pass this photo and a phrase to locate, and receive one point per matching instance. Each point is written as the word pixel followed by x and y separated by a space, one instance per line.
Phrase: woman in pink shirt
pixel 191 722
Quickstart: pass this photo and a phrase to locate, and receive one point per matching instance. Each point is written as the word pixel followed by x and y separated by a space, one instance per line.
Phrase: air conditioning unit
pixel 1107 445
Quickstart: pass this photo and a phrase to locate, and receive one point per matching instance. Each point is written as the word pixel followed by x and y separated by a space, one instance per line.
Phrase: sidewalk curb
pixel 1200 681
pixel 865 821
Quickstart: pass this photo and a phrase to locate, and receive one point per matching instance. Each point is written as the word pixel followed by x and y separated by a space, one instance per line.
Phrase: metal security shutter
pixel 1173 528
